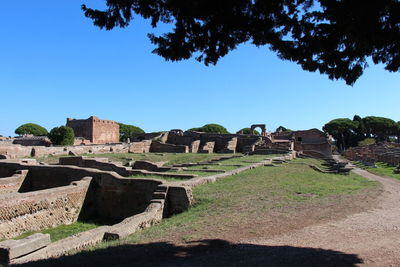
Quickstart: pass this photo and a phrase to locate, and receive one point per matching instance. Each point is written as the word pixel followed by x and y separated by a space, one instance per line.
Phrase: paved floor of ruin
pixel 373 236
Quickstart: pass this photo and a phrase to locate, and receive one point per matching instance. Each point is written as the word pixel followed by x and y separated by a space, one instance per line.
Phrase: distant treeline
pixel 349 133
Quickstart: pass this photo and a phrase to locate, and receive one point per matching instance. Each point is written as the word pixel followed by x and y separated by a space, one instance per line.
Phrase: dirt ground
pixel 356 230
pixel 372 235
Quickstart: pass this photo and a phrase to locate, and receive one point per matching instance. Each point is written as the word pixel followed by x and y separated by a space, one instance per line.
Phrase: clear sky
pixel 55 64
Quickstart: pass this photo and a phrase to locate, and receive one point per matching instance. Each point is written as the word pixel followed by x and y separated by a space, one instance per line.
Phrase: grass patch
pixel 381 169
pixel 247 197
pixel 63 231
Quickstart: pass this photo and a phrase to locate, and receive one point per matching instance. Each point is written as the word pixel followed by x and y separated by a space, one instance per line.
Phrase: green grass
pixel 63 231
pixel 169 158
pixel 249 196
pixel 382 169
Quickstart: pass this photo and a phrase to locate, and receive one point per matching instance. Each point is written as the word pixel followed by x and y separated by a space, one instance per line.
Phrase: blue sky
pixel 55 64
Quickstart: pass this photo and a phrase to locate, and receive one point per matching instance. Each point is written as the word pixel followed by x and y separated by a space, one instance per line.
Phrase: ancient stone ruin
pixel 94 130
pixel 388 153
pixel 35 196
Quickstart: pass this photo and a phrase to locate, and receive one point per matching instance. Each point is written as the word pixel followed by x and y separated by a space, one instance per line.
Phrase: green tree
pixel 126 131
pixel 283 129
pixel 62 135
pixel 333 37
pixel 342 130
pixel 248 131
pixel 211 128
pixel 379 128
pixel 31 128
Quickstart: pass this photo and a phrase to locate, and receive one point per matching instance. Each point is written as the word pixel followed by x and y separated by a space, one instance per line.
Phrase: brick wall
pixel 41 209
pixel 96 130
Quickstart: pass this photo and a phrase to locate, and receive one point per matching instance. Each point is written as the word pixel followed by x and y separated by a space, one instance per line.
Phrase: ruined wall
pixel 207 147
pixel 140 147
pixel 168 148
pixel 105 131
pixel 41 209
pixel 96 130
pixel 18 151
pixel 384 152
pixel 97 163
pixel 13 183
pixel 244 142
pixel 32 141
pixel 113 195
pixel 82 128
pixel 194 146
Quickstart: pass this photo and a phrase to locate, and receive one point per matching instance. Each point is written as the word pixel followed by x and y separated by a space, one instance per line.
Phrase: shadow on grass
pixel 204 253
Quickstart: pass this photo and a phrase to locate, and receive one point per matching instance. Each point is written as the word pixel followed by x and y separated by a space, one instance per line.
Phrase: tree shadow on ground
pixel 213 252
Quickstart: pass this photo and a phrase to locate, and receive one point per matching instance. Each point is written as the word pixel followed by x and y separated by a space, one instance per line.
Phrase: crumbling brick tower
pixel 96 130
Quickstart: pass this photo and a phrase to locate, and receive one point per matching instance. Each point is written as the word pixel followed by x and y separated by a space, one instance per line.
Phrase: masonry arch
pixel 261 126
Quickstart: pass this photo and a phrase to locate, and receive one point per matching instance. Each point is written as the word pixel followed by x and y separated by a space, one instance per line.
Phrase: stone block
pixel 11 249
pixel 147 165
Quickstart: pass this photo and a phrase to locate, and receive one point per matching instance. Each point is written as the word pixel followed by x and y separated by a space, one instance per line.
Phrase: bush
pixel 367 141
pixel 248 131
pixel 31 128
pixel 211 128
pixel 126 131
pixel 62 135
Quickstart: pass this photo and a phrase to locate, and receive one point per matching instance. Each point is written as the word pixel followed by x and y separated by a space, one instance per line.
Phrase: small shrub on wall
pixel 62 135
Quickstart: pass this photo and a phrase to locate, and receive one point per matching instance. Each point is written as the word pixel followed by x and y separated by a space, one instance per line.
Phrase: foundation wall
pixel 112 195
pixel 168 148
pixel 42 209
pixel 12 184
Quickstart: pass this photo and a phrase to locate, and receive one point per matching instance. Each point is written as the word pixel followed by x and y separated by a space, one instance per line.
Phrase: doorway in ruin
pixel 262 127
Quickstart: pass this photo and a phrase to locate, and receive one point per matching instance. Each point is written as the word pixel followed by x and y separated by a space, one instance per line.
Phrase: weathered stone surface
pixel 96 130
pixel 12 184
pixel 153 214
pixel 140 147
pixel 61 247
pixel 42 209
pixel 11 249
pixel 147 165
pixel 169 148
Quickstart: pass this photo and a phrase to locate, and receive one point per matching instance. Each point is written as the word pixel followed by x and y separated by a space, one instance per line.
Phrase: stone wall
pixel 140 147
pixel 41 209
pixel 111 195
pixel 13 183
pixel 18 151
pixel 96 163
pixel 384 152
pixel 168 148
pixel 96 130
pixel 207 147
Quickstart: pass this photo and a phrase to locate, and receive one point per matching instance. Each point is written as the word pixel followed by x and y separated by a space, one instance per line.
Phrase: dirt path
pixel 373 235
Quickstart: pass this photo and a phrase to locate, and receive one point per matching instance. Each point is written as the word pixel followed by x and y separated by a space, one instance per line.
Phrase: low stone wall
pixel 12 184
pixel 111 195
pixel 207 147
pixel 168 148
pixel 384 152
pixel 96 163
pixel 42 209
pixel 154 213
pixel 210 179
pixel 18 151
pixel 140 147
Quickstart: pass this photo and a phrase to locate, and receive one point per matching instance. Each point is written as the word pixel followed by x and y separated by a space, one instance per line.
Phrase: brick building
pixel 96 130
